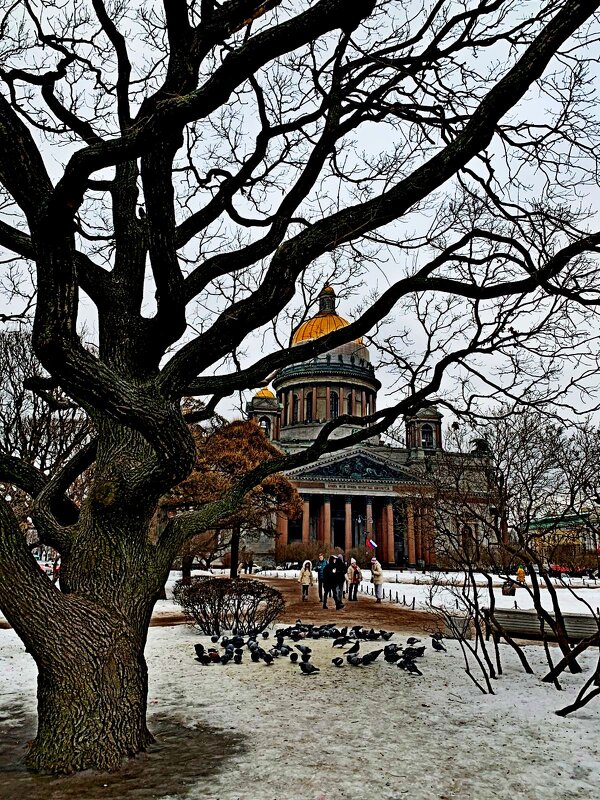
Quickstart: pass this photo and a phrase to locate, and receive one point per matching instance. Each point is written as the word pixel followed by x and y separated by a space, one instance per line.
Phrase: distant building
pixel 371 491
pixel 567 539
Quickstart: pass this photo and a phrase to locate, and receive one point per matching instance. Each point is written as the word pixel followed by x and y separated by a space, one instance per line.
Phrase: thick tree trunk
pixel 235 552
pixel 92 693
pixel 186 569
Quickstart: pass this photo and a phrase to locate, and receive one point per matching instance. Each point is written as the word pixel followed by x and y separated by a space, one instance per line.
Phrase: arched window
pixel 349 403
pixel 265 424
pixel 334 405
pixel 427 437
pixel 295 409
pixel 308 410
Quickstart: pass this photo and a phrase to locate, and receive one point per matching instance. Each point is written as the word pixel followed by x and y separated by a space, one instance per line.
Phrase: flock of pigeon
pixel 353 638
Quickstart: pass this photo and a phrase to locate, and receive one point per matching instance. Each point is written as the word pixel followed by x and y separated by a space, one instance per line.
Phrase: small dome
pixel 264 393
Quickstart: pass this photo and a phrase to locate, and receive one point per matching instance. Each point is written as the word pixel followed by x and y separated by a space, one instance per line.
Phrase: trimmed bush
pixel 215 605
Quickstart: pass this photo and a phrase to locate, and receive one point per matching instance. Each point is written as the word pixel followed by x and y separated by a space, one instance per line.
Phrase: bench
pixel 527 625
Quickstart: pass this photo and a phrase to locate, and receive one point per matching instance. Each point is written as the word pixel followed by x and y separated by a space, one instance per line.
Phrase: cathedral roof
pixel 264 393
pixel 325 321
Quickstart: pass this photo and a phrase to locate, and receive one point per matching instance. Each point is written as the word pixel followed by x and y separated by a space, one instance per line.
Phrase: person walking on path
pixel 306 579
pixel 377 578
pixel 340 580
pixel 354 577
pixel 320 565
pixel 330 583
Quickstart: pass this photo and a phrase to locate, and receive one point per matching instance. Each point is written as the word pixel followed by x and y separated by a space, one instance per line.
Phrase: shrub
pixel 215 605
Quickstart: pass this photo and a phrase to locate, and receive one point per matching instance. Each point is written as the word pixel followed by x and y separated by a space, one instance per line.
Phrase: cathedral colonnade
pixel 402 529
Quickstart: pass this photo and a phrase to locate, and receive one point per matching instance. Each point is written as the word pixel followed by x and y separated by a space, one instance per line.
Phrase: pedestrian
pixel 521 574
pixel 251 563
pixel 330 582
pixel 320 565
pixel 340 580
pixel 377 578
pixel 353 577
pixel 240 569
pixel 305 579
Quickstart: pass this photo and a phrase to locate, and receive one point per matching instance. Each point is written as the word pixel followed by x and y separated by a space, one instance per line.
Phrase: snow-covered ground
pixel 352 733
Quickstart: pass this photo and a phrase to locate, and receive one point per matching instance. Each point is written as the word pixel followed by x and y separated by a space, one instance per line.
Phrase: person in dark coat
pixel 340 580
pixel 330 582
pixel 320 565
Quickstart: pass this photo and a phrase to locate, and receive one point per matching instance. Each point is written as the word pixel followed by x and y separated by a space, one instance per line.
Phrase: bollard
pixel 403 599
pixel 396 596
pixel 413 603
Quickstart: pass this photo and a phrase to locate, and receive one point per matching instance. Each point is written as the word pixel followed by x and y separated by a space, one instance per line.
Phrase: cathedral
pixel 373 491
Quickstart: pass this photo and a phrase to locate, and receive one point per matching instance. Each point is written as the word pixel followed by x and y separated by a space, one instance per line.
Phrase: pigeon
pixel 411 640
pixel 237 659
pixel 254 656
pixel 225 659
pixel 437 645
pixel 369 658
pixel 293 657
pixel 305 658
pixel 354 661
pixel 265 634
pixel 414 652
pixel 354 649
pixel 237 641
pixel 267 658
pixel 387 635
pixel 411 667
pixel 391 657
pixel 214 639
pixel 339 662
pixel 309 669
pixel 303 648
pixel 199 648
pixel 341 642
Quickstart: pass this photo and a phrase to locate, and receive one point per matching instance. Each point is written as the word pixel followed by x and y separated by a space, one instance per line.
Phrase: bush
pixel 215 605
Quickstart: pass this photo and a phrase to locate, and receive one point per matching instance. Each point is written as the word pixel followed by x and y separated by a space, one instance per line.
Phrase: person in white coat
pixel 377 578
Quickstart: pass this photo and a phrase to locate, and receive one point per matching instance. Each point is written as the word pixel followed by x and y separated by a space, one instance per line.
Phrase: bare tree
pixel 542 476
pixel 44 429
pixel 190 169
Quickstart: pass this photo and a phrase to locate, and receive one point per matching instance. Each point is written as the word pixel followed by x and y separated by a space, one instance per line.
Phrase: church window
pixel 427 437
pixel 308 413
pixel 334 405
pixel 295 409
pixel 349 403
pixel 265 424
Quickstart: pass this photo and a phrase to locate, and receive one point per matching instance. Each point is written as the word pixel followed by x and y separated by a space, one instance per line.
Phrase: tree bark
pixel 92 695
pixel 235 552
pixel 186 569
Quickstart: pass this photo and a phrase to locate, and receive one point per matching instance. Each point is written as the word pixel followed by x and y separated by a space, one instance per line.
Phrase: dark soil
pixel 181 759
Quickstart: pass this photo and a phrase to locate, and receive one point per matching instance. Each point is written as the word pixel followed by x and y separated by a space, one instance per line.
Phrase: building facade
pixel 371 491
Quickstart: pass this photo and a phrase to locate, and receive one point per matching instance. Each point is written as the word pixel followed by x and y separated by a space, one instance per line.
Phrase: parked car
pixel 46 566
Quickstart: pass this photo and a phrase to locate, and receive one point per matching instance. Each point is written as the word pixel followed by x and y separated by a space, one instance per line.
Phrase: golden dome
pixel 325 321
pixel 320 325
pixel 264 393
